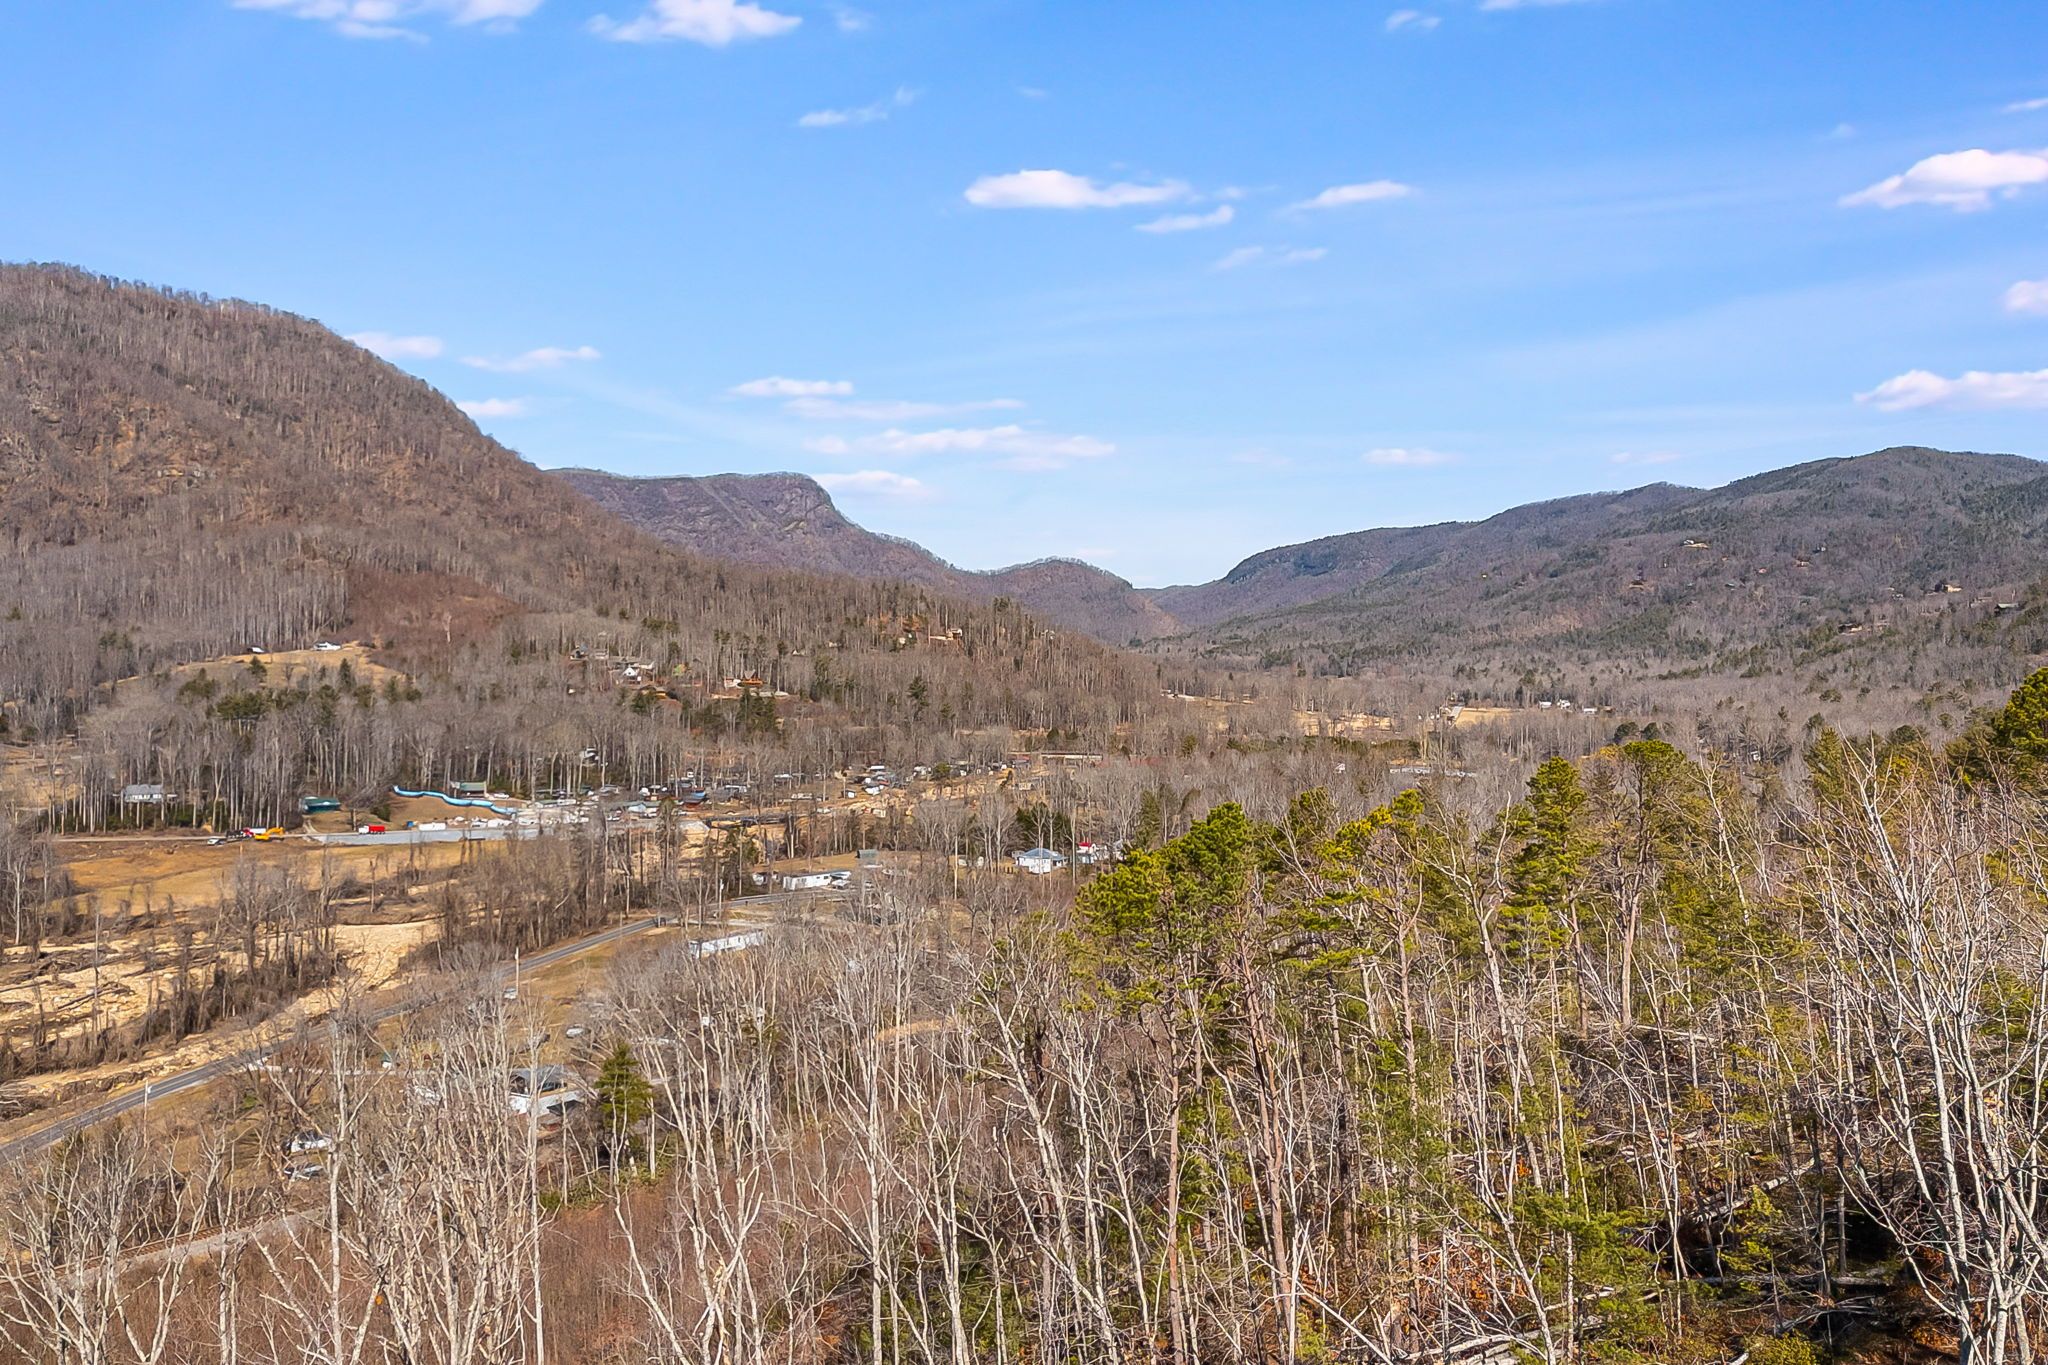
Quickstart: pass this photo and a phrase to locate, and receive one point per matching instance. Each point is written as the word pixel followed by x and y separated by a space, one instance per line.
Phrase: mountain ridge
pixel 790 520
pixel 183 478
pixel 1659 583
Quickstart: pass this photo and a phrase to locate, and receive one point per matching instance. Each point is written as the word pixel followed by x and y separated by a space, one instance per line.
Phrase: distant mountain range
pixel 1938 552
pixel 789 521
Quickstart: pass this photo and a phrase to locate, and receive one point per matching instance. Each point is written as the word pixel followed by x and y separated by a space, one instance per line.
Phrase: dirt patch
pixel 1357 725
pixel 1483 715
pixel 410 612
pixel 191 871
pixel 37 776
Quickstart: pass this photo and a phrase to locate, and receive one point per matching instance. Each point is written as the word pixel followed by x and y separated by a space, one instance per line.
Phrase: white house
pixel 731 943
pixel 1039 861
pixel 543 1089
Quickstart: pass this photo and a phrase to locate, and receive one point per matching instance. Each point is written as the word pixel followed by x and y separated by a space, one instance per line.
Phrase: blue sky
pixel 1155 284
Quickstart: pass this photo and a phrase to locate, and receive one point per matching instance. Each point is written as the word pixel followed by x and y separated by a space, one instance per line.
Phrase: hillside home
pixel 1040 861
pixel 543 1089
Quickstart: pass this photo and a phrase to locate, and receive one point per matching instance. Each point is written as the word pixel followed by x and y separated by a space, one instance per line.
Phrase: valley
pixel 392 826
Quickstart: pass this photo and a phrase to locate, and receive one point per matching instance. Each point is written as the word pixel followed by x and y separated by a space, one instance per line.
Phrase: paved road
pixel 128 1101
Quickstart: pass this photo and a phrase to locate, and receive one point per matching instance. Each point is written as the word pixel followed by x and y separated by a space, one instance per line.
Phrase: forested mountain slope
pixel 183 478
pixel 1886 570
pixel 790 521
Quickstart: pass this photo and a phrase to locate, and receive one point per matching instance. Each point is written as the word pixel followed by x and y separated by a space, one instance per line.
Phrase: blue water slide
pixel 456 800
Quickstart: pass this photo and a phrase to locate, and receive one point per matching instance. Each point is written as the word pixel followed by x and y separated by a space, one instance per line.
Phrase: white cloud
pixel 1033 92
pixel 888 410
pixel 866 113
pixel 539 358
pixel 1409 457
pixel 1063 190
pixel 388 18
pixel 1343 196
pixel 493 11
pixel 852 20
pixel 2027 106
pixel 392 347
pixel 1269 255
pixel 1190 222
pixel 875 483
pixel 1964 181
pixel 484 408
pixel 1411 20
pixel 1973 389
pixel 714 23
pixel 778 386
pixel 1014 446
pixel 1644 457
pixel 2027 296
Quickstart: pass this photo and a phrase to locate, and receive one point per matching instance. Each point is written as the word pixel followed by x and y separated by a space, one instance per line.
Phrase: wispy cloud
pixel 484 408
pixel 539 358
pixel 389 18
pixel 392 347
pixel 2027 296
pixel 1190 222
pixel 780 386
pixel 1411 21
pixel 1344 196
pixel 1644 457
pixel 1064 190
pixel 1268 255
pixel 1014 446
pixel 1972 389
pixel 880 110
pixel 876 483
pixel 851 20
pixel 713 23
pixel 1966 181
pixel 832 400
pixel 2032 106
pixel 890 410
pixel 1409 457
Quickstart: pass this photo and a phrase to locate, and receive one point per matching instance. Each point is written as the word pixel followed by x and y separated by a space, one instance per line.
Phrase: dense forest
pixel 1856 584
pixel 790 521
pixel 1648 1064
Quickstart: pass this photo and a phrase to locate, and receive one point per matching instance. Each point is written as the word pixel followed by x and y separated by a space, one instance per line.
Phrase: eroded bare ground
pixel 155 912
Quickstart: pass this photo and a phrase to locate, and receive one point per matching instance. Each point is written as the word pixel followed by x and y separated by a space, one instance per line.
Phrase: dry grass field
pixel 153 914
